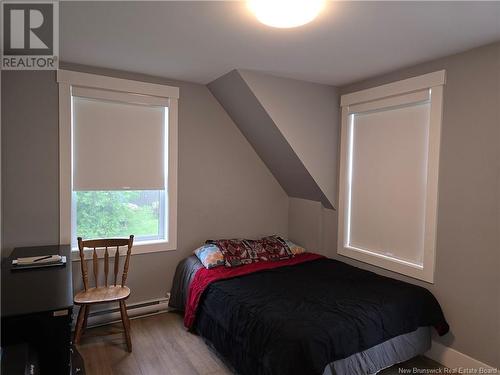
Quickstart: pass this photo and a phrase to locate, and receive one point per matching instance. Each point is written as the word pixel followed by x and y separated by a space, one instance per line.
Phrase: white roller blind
pixel 118 145
pixel 388 166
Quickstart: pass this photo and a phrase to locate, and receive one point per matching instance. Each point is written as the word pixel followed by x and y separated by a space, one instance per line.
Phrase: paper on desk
pixel 28 261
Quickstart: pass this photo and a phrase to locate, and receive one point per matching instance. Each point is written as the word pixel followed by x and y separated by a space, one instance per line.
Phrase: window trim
pixel 410 90
pixel 67 80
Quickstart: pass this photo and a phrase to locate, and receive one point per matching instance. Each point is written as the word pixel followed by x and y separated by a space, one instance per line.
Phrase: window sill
pixel 421 272
pixel 143 247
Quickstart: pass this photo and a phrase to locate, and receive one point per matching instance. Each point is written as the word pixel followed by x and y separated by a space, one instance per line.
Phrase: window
pixel 119 166
pixel 118 213
pixel 118 160
pixel 389 174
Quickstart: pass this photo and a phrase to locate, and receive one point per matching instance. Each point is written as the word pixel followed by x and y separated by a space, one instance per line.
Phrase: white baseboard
pixel 454 359
pixel 110 315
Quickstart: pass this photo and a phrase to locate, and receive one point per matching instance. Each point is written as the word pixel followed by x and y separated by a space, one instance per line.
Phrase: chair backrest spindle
pixel 117 262
pixel 95 266
pixel 106 266
pixel 105 243
pixel 127 259
pixel 83 264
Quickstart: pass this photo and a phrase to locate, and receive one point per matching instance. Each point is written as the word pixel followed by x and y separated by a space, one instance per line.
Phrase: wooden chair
pixel 110 292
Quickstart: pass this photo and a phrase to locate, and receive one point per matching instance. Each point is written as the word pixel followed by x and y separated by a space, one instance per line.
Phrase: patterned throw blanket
pixel 237 252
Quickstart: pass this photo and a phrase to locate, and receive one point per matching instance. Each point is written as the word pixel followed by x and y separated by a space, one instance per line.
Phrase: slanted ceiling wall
pixel 292 125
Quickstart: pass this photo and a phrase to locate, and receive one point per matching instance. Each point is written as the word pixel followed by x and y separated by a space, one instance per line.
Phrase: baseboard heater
pixel 98 317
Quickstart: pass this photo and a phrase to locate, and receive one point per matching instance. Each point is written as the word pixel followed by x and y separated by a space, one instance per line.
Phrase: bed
pixel 311 315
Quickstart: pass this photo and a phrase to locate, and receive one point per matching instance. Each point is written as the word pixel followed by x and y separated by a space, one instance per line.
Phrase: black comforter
pixel 297 319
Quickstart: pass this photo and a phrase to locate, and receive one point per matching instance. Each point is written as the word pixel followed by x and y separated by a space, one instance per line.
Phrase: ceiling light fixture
pixel 285 13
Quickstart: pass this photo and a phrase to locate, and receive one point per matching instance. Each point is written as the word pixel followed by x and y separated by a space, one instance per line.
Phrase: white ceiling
pixel 200 41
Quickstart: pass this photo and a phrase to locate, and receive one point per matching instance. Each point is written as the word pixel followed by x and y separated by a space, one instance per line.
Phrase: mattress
pixel 369 361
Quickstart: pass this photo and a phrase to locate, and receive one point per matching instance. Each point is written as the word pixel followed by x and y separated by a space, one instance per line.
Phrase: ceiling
pixel 200 41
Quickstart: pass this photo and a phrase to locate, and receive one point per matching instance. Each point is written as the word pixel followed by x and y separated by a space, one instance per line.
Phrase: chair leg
pixel 126 324
pixel 86 317
pixel 79 324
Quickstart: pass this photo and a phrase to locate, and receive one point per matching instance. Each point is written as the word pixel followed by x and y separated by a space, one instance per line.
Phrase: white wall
pixel 313 226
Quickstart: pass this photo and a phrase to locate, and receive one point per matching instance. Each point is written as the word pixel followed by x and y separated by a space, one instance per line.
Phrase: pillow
pixel 236 252
pixel 210 255
pixel 294 248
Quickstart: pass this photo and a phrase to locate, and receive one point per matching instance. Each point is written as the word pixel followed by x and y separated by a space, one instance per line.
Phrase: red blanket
pixel 204 277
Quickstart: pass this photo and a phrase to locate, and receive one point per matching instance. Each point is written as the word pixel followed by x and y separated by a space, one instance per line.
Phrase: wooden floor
pixel 161 346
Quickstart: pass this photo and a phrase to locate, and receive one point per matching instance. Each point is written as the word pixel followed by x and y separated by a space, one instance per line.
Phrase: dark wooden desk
pixel 37 307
